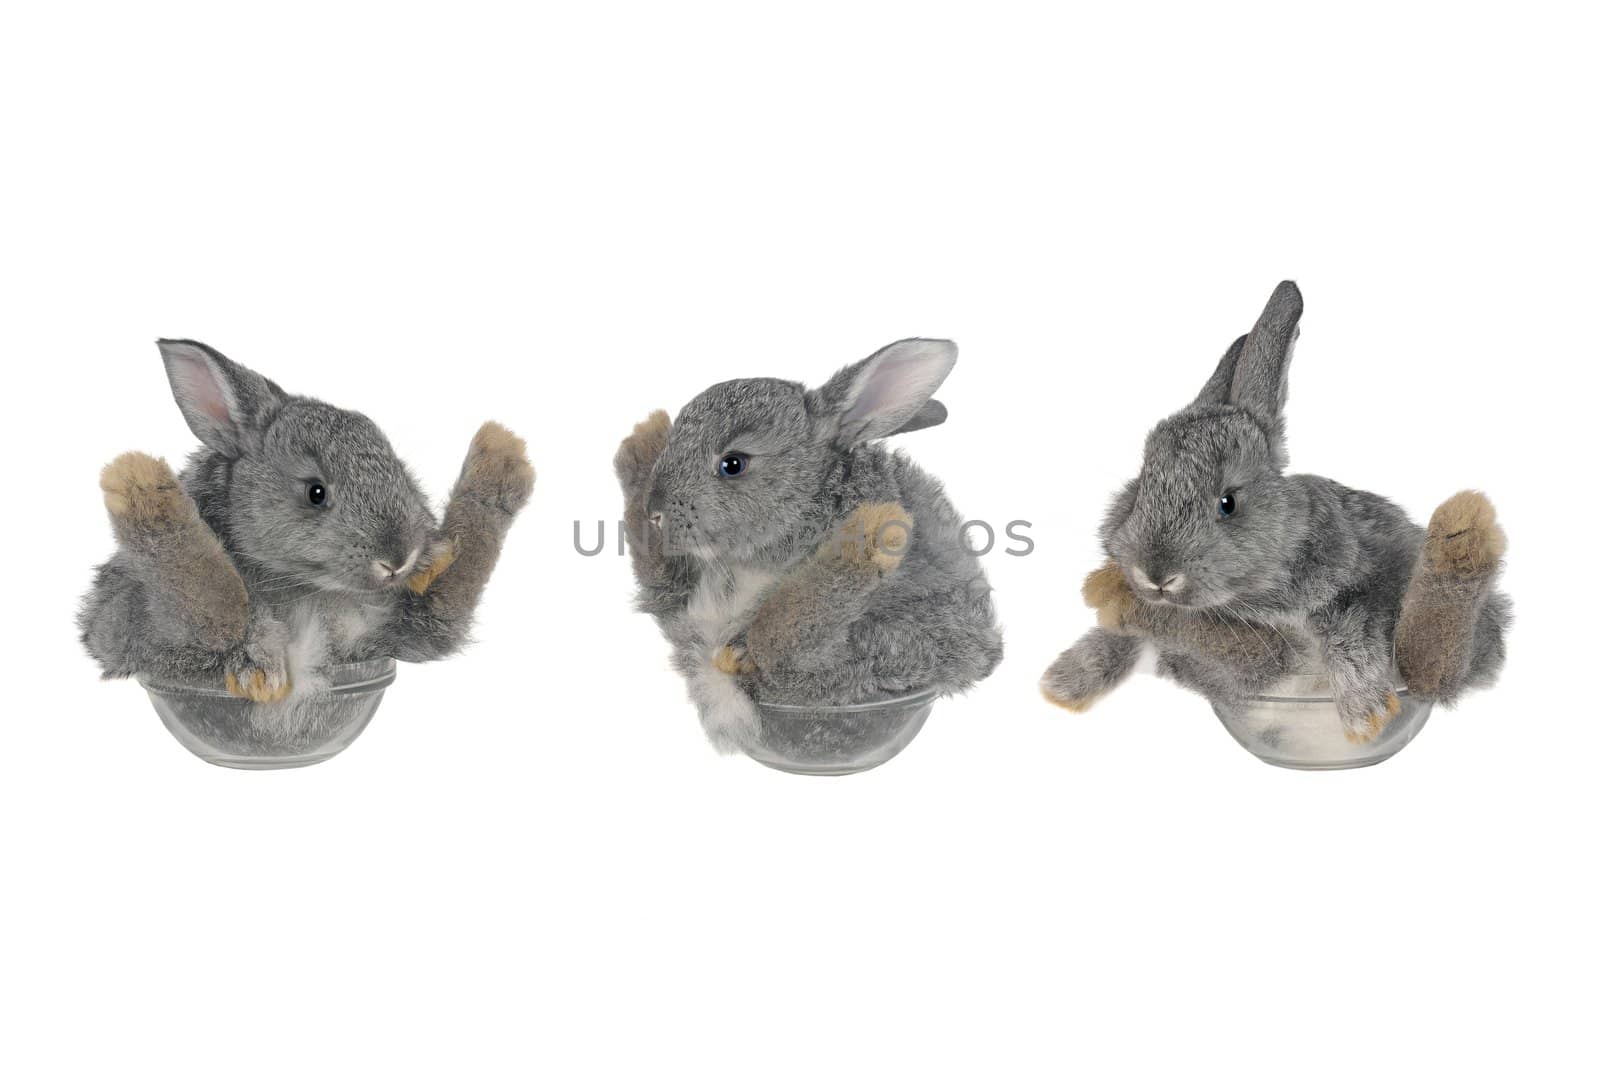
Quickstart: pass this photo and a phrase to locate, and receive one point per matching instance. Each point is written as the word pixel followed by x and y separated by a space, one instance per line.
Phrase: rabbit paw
pixel 443 555
pixel 1464 540
pixel 497 471
pixel 258 677
pixel 639 451
pixel 879 533
pixel 730 659
pixel 727 713
pixel 1073 681
pixel 258 685
pixel 1107 591
pixel 1061 699
pixel 259 669
pixel 1364 724
pixel 142 491
pixel 1095 665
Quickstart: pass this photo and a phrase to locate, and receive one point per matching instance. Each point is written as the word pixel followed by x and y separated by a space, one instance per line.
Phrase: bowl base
pixel 286 763
pixel 1338 765
pixel 833 742
pixel 821 772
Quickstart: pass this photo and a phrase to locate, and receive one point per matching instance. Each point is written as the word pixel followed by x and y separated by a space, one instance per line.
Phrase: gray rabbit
pixel 294 538
pixel 1233 574
pixel 790 558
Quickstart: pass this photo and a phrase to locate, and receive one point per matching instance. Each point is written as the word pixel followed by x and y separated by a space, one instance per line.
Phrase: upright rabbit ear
pixel 1219 390
pixel 226 405
pixel 886 393
pixel 1261 379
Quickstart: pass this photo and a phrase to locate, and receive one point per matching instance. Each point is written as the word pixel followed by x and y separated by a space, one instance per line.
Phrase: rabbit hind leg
pixel 129 632
pixel 1449 635
pixel 183 565
pixel 109 622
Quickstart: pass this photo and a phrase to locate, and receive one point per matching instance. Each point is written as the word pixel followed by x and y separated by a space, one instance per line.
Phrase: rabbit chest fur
pixel 722 602
pixel 327 629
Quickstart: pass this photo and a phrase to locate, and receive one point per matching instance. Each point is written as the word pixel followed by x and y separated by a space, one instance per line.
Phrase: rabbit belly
pixel 322 633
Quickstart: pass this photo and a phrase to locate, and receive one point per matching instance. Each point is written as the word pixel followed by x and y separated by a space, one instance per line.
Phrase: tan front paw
pixel 731 660
pixel 1106 590
pixel 142 490
pixel 1464 540
pixel 1365 727
pixel 639 450
pixel 443 556
pixel 258 685
pixel 879 533
pixel 497 468
pixel 1076 705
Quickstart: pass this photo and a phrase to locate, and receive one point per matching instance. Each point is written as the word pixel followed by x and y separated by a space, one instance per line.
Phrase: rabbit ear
pixel 226 405
pixel 933 413
pixel 888 392
pixel 1261 379
pixel 1219 390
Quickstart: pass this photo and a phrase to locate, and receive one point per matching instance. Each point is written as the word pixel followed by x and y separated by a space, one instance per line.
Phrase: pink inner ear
pixel 900 384
pixel 204 394
pixel 875 394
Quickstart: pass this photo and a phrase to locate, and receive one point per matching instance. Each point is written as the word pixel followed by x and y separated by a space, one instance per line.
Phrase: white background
pixel 565 218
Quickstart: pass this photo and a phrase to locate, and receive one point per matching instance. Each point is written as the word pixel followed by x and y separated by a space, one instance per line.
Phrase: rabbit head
pixel 312 491
pixel 1209 518
pixel 751 466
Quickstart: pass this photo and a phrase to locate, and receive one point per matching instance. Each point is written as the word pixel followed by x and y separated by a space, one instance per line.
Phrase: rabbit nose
pixel 385 571
pixel 1159 582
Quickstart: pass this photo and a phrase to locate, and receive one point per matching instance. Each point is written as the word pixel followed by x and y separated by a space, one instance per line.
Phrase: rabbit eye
pixel 317 494
pixel 1226 505
pixel 732 465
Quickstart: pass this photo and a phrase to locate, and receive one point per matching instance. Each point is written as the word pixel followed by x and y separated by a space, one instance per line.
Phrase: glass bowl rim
pixel 1273 698
pixel 918 696
pixel 386 664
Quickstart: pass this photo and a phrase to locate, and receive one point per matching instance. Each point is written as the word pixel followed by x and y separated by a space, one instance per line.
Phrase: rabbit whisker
pixel 1248 625
pixel 1222 618
pixel 1261 616
pixel 282 580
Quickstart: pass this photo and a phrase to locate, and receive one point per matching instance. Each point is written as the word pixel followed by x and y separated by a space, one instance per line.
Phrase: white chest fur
pixel 720 608
pixel 723 603
pixel 328 629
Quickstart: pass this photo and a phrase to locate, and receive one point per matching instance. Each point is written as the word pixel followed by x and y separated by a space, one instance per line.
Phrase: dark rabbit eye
pixel 1226 505
pixel 317 493
pixel 733 464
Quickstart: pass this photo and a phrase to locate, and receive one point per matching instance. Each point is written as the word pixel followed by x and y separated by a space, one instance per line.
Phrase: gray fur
pixel 236 571
pixel 1303 565
pixel 1095 665
pixel 746 563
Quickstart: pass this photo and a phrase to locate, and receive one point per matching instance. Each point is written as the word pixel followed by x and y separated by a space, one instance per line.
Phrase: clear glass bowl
pixel 1297 725
pixel 312 724
pixel 841 740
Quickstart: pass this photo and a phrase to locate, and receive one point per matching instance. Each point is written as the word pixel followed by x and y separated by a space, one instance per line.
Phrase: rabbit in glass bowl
pixel 294 539
pixel 1233 574
pixel 790 557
